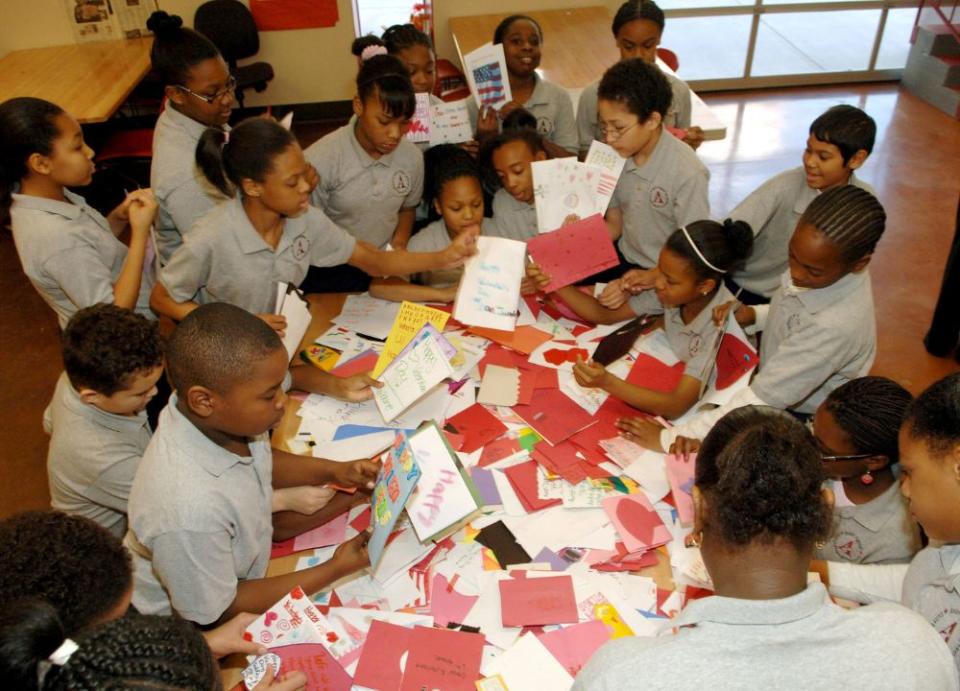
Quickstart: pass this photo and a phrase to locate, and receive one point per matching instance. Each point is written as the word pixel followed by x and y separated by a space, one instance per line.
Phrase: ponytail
pixel 26 127
pixel 247 152
pixel 712 248
pixel 30 631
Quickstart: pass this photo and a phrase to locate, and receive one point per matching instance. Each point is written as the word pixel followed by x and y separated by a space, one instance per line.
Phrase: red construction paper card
pixel 498 450
pixel 364 362
pixel 547 378
pixel 524 340
pixel 561 456
pixel 477 426
pixel 574 252
pixel 523 479
pixel 443 659
pixel 680 472
pixel 651 373
pixel 447 604
pixel 281 549
pixel 455 440
pixel 362 521
pixel 379 665
pixel 538 601
pixel 574 645
pixel 496 354
pixel 323 672
pixel 636 522
pixel 528 382
pixel 734 359
pixel 554 416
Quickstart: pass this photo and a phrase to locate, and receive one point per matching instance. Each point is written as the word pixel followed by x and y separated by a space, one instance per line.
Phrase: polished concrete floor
pixel 915 169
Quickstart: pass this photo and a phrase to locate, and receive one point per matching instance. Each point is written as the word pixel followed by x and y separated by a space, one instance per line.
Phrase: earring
pixel 693 539
pixel 867 478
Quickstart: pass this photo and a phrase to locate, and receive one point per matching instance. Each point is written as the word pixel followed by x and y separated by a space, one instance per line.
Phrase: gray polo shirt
pixel 800 642
pixel 512 219
pixel 92 458
pixel 224 259
pixel 70 254
pixel 550 104
pixel 588 124
pixel 436 238
pixel 772 210
pixel 182 192
pixel 878 532
pixel 692 343
pixel 200 520
pixel 932 589
pixel 361 194
pixel 668 191
pixel 814 341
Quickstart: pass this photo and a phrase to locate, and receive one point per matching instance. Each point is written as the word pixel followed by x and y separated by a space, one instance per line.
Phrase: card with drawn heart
pixel 636 522
pixel 292 620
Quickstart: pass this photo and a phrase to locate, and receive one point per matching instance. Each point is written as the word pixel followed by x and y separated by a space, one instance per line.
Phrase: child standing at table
pixel 637 29
pixel 198 88
pixel 839 143
pixel 819 331
pixel 97 419
pixel 70 253
pixel 457 197
pixel 663 185
pixel 200 506
pixel 507 159
pixel 521 37
pixel 371 176
pixel 689 286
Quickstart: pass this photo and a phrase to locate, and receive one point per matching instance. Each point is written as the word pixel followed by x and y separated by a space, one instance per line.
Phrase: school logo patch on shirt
pixel 695 344
pixel 544 125
pixel 401 182
pixel 848 546
pixel 659 197
pixel 300 247
pixel 947 624
pixel 794 322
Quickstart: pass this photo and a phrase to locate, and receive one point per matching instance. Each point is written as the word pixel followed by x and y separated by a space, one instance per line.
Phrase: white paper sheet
pixel 450 123
pixel 486 71
pixel 410 377
pixel 292 305
pixel 367 315
pixel 564 187
pixel 490 286
pixel 528 666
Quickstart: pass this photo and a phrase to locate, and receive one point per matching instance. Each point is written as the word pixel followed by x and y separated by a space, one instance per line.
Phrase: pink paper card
pixel 380 662
pixel 574 645
pixel 636 522
pixel 323 672
pixel 680 472
pixel 554 416
pixel 538 601
pixel 364 362
pixel 442 659
pixel 333 532
pixel 447 604
pixel 574 252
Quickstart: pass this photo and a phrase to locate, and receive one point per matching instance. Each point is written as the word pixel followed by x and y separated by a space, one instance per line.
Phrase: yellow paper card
pixel 410 319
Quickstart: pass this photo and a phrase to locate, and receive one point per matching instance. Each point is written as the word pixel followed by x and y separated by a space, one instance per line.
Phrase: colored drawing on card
pixel 410 320
pixel 419 130
pixel 396 480
pixel 574 252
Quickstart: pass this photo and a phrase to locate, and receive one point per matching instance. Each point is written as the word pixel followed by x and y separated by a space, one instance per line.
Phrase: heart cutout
pixel 636 519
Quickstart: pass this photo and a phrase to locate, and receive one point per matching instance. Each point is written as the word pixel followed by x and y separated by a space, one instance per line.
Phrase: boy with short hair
pixel 200 507
pixel 97 419
pixel 839 142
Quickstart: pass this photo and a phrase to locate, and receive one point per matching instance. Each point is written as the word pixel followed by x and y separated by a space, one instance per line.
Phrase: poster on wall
pixel 281 15
pixel 101 20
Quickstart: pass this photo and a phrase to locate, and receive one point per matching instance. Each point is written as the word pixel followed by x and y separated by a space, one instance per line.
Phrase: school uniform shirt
pixel 772 210
pixel 550 104
pixel 668 191
pixel 692 343
pixel 436 238
pixel 878 532
pixel 183 195
pixel 361 194
pixel 512 219
pixel 224 259
pixel 70 254
pixel 678 114
pixel 799 642
pixel 200 520
pixel 93 457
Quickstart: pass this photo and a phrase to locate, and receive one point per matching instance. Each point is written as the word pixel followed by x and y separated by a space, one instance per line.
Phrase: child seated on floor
pixel 688 287
pixel 97 419
pixel 456 196
pixel 200 508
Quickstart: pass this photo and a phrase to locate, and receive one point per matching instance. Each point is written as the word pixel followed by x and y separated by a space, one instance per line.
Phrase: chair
pixel 229 24
pixel 451 84
pixel 669 57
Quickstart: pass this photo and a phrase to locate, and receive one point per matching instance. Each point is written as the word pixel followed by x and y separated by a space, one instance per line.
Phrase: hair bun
pixel 740 237
pixel 161 23
pixel 372 51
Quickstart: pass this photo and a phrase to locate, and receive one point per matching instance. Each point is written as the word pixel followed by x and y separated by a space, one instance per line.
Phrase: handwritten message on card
pixel 450 123
pixel 410 319
pixel 409 377
pixel 490 287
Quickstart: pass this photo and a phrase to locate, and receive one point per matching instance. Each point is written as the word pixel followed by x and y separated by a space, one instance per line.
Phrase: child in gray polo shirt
pixel 507 159
pixel 838 144
pixel 70 253
pixel 550 104
pixel 637 28
pixel 97 419
pixel 200 507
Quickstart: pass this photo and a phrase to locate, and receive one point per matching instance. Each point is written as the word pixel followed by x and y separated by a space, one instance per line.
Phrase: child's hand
pixel 537 277
pixel 463 246
pixel 641 430
pixel 571 218
pixel 637 280
pixel 449 294
pixel 488 123
pixel 306 499
pixel 294 680
pixel 355 388
pixel 613 295
pixel 590 374
pixel 527 286
pixel 360 473
pixel 352 555
pixel 684 446
pixel 277 322
pixel 694 136
pixel 141 208
pixel 313 178
pixel 228 638
pixel 472 147
pixel 745 315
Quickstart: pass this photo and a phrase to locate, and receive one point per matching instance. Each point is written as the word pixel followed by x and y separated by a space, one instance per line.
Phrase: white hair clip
pixel 370 51
pixel 61 655
pixel 699 253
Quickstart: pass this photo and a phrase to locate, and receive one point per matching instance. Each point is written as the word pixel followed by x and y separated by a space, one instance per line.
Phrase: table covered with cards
pixel 513 531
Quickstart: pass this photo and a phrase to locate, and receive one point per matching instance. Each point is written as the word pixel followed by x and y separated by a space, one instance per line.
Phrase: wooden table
pixel 577 49
pixel 88 80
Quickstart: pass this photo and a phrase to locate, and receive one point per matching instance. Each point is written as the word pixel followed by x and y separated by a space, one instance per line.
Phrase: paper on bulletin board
pixel 280 15
pixel 490 287
pixel 410 319
pixel 486 72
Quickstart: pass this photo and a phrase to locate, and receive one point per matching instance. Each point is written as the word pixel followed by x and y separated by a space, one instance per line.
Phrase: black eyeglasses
pixel 219 96
pixel 829 457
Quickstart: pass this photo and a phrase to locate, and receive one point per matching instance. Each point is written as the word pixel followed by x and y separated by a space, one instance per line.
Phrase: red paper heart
pixel 297 593
pixel 332 637
pixel 558 356
pixel 637 520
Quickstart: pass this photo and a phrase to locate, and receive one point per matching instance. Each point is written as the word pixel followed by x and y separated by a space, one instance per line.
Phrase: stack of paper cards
pixel 611 164
pixel 450 123
pixel 486 72
pixel 563 187
pixel 420 122
pixel 410 376
pixel 396 480
pixel 574 252
pixel 292 305
pixel 490 288
pixel 409 321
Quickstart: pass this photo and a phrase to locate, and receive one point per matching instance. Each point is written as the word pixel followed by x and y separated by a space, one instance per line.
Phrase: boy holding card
pixel 200 506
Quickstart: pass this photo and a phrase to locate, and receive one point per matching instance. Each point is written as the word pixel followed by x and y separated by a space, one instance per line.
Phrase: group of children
pixel 199 496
